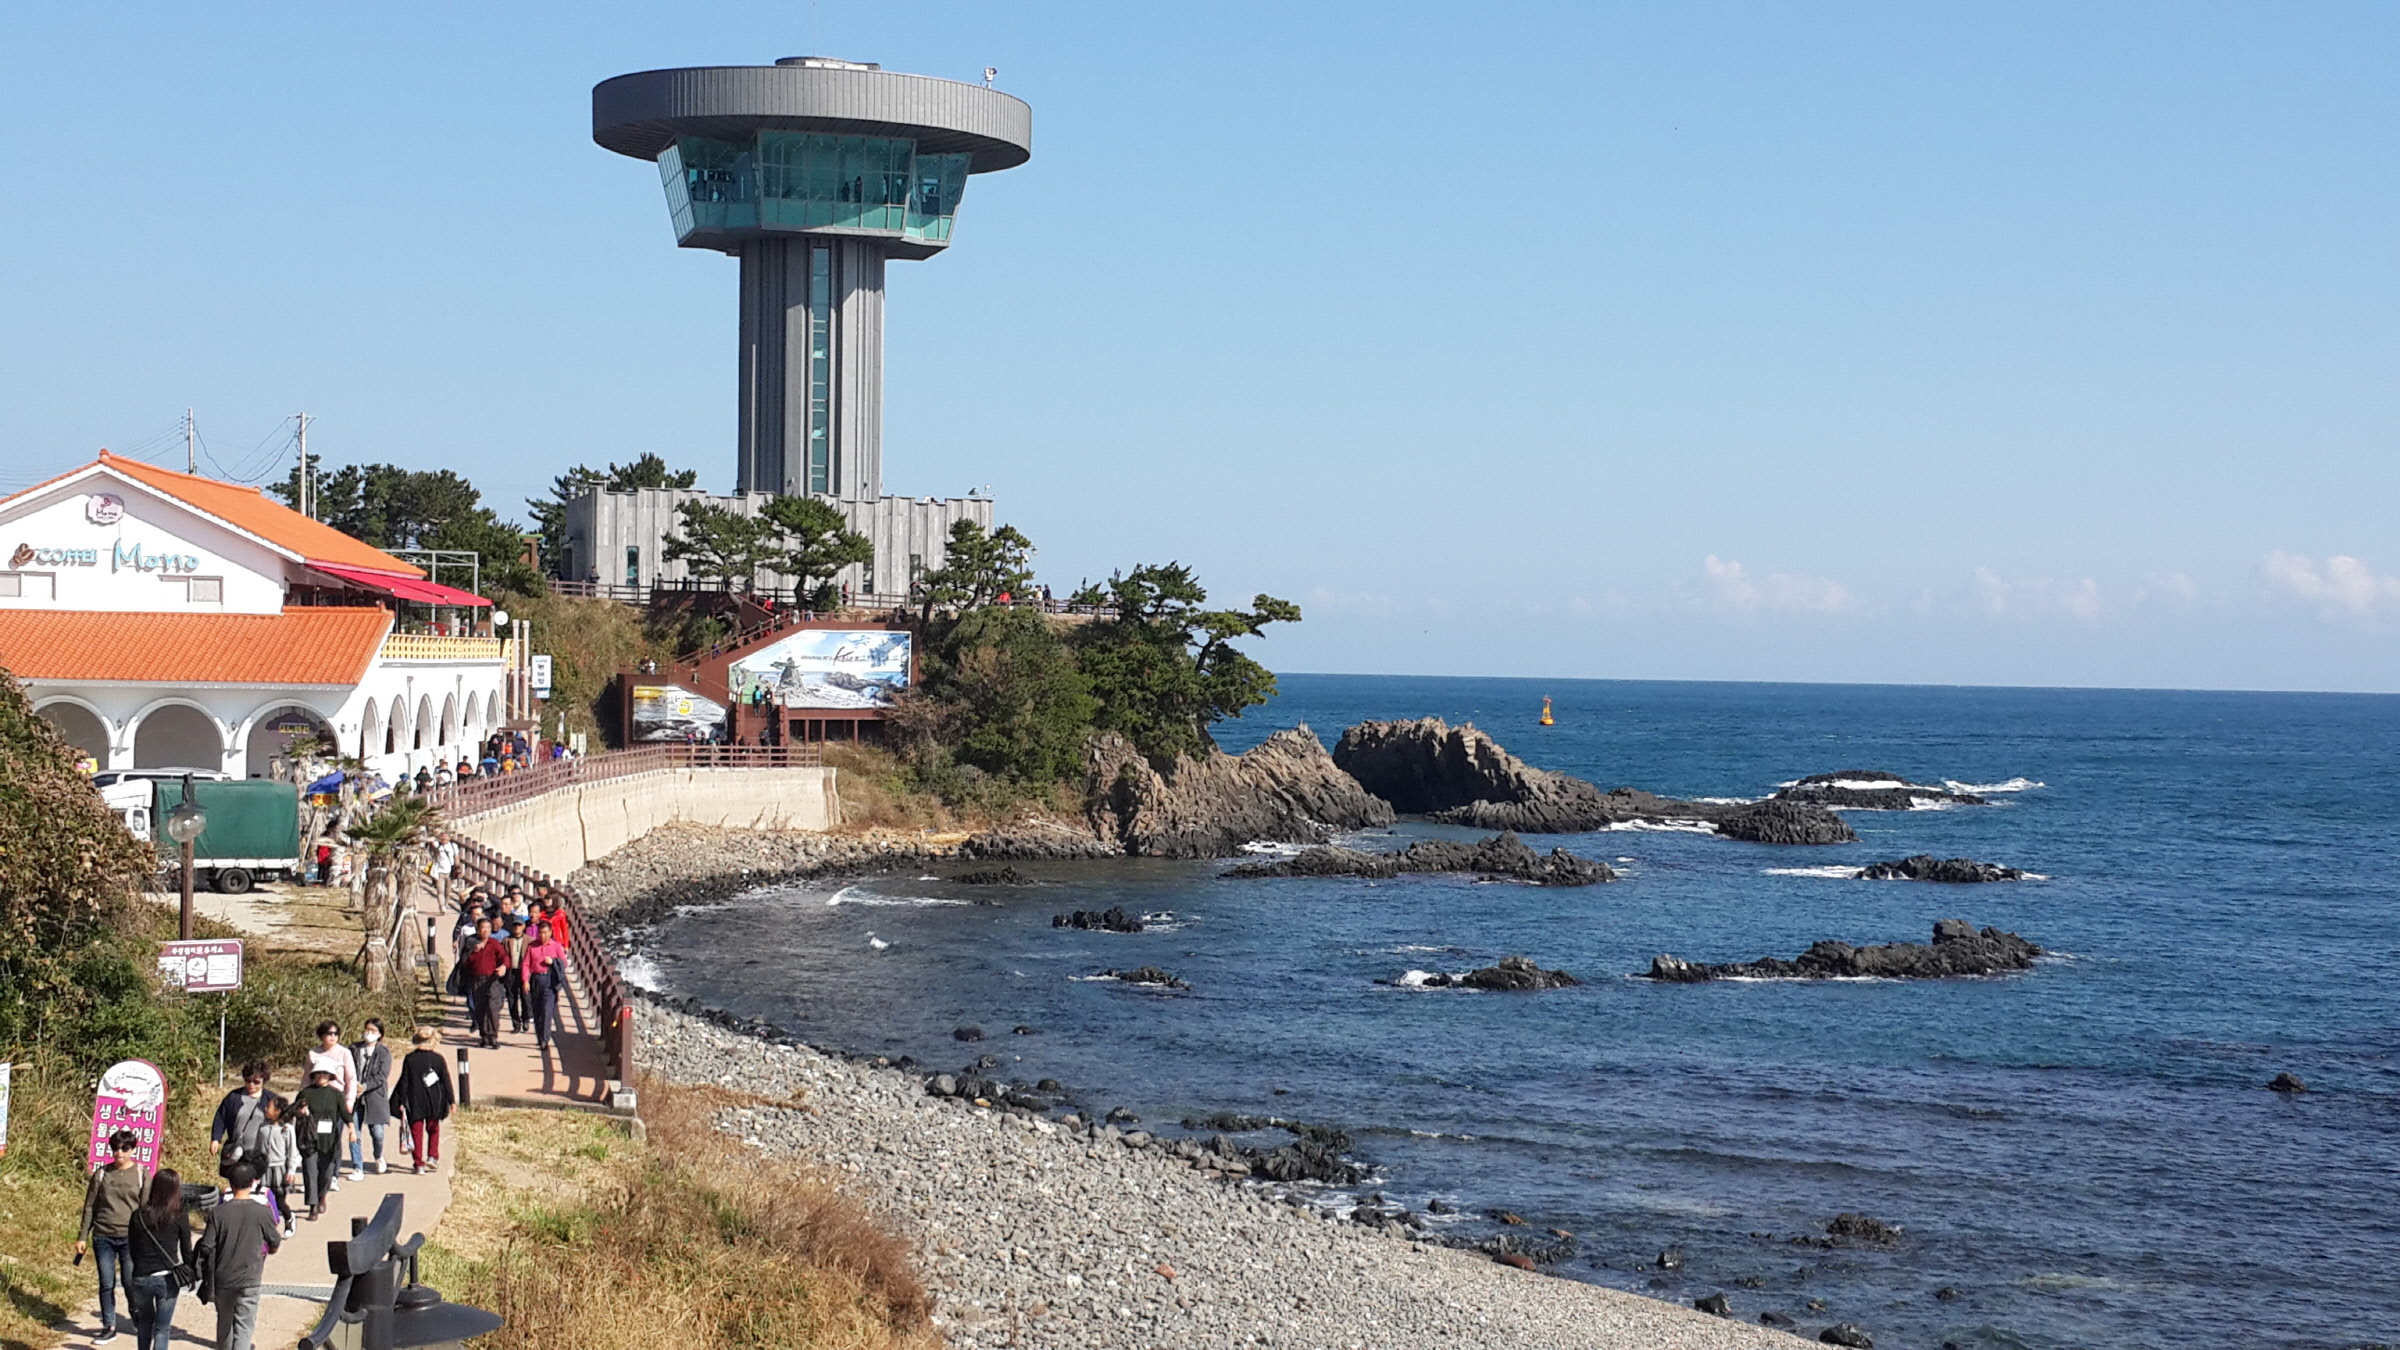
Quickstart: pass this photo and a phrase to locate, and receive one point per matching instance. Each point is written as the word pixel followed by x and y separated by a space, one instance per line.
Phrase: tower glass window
pixel 821 476
pixel 797 181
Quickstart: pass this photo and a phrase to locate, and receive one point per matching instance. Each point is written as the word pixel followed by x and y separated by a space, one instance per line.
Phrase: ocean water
pixel 2087 1153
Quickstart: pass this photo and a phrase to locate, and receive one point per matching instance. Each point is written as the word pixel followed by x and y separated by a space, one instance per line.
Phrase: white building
pixel 164 620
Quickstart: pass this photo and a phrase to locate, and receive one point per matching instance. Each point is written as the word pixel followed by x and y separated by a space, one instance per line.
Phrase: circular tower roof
pixel 641 114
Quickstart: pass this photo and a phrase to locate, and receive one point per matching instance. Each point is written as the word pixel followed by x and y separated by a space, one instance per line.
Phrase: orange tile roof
pixel 252 509
pixel 302 645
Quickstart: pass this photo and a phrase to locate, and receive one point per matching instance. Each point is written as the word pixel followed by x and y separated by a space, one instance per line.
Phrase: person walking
pixel 323 1108
pixel 545 974
pixel 280 1141
pixel 424 1098
pixel 241 1230
pixel 371 1113
pixel 160 1239
pixel 110 1196
pixel 486 964
pixel 515 936
pixel 445 862
pixel 334 1058
pixel 233 1133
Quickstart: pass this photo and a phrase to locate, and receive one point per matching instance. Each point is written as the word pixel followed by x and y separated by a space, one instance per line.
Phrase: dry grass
pixel 876 794
pixel 584 1240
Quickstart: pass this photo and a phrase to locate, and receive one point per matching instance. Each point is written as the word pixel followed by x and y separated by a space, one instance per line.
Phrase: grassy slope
pixel 586 1240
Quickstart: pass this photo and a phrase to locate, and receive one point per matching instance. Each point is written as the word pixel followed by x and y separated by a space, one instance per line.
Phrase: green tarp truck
pixel 253 830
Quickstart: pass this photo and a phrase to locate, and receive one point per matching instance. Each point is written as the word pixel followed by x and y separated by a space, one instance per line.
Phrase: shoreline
pixel 1444 1292
pixel 1035 1234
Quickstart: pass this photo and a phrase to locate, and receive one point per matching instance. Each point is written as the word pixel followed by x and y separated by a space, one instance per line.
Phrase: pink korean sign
pixel 132 1096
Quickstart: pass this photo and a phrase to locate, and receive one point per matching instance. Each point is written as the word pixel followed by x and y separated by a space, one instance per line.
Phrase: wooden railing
pixel 480 866
pixel 473 796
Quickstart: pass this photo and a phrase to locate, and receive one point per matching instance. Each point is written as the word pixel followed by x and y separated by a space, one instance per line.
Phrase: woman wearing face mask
pixel 334 1058
pixel 371 1114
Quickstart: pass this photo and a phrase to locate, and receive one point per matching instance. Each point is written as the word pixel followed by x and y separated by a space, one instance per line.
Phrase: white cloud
pixel 1999 597
pixel 1731 587
pixel 2343 586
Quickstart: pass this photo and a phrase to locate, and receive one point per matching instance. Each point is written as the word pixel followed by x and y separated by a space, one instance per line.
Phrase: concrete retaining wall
pixel 563 830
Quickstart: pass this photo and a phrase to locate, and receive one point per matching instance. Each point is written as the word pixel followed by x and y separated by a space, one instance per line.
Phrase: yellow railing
pixel 426 647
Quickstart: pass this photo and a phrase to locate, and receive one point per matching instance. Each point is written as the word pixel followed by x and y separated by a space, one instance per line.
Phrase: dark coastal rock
pixel 2287 1084
pixel 1461 776
pixel 1947 1294
pixel 1516 974
pixel 1147 975
pixel 1502 855
pixel 1926 867
pixel 1285 788
pixel 994 876
pixel 1039 841
pixel 1114 919
pixel 1862 1228
pixel 1775 821
pixel 967 1034
pixel 1716 1305
pixel 1890 792
pixel 1776 1319
pixel 1957 949
pixel 1846 1334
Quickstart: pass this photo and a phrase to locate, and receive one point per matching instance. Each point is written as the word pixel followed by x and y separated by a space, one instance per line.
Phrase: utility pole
pixel 191 461
pixel 305 504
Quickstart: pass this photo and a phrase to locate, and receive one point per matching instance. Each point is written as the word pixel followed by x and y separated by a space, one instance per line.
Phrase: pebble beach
pixel 1033 1233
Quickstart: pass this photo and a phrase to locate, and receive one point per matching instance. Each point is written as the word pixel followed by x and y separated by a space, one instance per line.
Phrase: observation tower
pixel 815 173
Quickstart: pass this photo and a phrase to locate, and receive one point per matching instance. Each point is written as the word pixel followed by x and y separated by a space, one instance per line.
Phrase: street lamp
pixel 184 825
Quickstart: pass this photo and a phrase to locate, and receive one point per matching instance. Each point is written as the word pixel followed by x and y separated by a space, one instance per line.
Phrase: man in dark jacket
pixel 487 971
pixel 233 1133
pixel 233 1262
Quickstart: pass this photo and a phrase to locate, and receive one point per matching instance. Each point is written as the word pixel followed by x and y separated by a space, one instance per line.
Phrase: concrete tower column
pixel 811 413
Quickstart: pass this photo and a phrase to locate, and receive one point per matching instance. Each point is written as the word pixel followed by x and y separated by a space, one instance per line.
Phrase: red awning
pixel 400 587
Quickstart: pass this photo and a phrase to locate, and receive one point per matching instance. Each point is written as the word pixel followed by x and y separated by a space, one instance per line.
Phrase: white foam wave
pixel 877 943
pixel 1932 804
pixel 1093 979
pixel 857 895
pixel 641 972
pixel 1272 848
pixel 1829 873
pixel 1416 979
pixel 1664 826
pixel 1729 801
pixel 1986 789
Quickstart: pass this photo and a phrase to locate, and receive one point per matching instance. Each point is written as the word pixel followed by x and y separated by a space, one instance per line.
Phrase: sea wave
pixel 1986 789
pixel 641 972
pixel 1664 826
pixel 1416 979
pixel 1841 873
pixel 858 895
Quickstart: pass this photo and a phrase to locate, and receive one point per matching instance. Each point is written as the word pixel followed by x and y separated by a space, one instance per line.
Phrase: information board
pixel 205 966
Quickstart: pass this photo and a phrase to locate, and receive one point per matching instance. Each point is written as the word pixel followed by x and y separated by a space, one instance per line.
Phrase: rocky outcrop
pixel 1956 949
pixel 1285 788
pixel 1460 776
pixel 1502 855
pixel 993 876
pixel 1514 975
pixel 1146 975
pixel 1774 821
pixel 1926 867
pixel 2287 1083
pixel 1039 841
pixel 1114 919
pixel 1872 790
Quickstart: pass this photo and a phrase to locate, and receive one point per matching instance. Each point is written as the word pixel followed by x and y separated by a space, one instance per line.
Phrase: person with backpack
pixel 110 1197
pixel 424 1098
pixel 371 1112
pixel 233 1134
pixel 160 1239
pixel 241 1230
pixel 323 1108
pixel 279 1142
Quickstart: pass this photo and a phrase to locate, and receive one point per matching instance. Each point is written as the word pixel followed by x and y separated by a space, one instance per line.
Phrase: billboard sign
pixel 132 1096
pixel 201 967
pixel 538 673
pixel 670 712
pixel 847 668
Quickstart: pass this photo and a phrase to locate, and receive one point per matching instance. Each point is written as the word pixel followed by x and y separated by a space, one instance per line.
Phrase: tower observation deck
pixel 815 173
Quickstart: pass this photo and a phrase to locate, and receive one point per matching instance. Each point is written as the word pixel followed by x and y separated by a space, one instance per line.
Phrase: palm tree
pixel 391 842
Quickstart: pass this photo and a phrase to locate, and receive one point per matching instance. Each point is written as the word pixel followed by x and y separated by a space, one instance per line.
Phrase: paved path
pixel 517 1074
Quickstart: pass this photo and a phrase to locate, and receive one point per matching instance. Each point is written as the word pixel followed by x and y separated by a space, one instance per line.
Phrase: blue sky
pixel 2004 344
